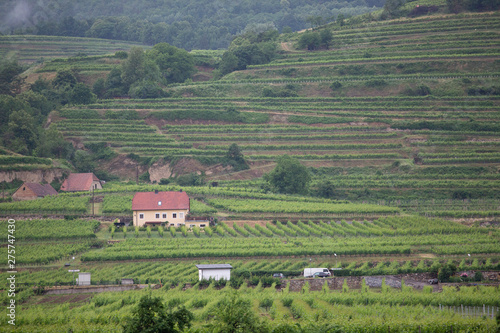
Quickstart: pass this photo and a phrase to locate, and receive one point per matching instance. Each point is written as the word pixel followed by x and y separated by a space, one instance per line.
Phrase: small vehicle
pixel 321 275
pixel 464 275
pixel 433 281
pixel 309 272
pixel 278 275
pixel 67 264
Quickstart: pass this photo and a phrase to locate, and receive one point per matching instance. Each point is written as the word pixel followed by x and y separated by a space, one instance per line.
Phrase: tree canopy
pixel 190 24
pixel 289 176
pixel 151 316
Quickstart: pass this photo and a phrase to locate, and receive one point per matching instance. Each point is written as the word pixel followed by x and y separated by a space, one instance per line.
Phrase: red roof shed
pixel 81 182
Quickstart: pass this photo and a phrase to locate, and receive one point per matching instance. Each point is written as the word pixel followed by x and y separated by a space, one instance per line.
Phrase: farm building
pixel 31 191
pixel 153 208
pixel 77 182
pixel 216 271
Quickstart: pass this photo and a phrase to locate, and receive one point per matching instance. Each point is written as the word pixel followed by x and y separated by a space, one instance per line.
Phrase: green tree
pixel 175 64
pixel 229 63
pixel 151 316
pixel 10 81
pixel 446 271
pixel 235 315
pixel 52 144
pixel 99 87
pixel 9 104
pixel 81 94
pixel 289 176
pixel 310 40
pixel 145 89
pixel 64 77
pixel 22 132
pixel 133 68
pixel 326 189
pixel 235 158
pixel 83 161
pixel 392 8
pixel 326 38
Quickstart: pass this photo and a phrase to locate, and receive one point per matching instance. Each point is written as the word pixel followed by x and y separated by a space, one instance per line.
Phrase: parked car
pixel 278 275
pixel 433 281
pixel 321 275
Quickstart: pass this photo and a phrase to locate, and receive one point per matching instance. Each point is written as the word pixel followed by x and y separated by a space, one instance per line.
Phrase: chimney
pixel 180 190
pixel 156 191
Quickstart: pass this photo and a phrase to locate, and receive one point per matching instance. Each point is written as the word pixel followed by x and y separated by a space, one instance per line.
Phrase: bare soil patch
pixel 123 167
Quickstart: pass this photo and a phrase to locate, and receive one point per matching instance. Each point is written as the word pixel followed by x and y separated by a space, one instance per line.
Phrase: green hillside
pixel 400 111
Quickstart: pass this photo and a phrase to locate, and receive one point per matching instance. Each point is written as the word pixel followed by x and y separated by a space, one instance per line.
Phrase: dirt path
pixel 286 46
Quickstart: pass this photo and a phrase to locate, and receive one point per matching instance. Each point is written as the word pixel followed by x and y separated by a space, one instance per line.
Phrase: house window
pixel 141 216
pixel 202 225
pixel 192 225
pixel 157 216
pixel 164 216
pixel 174 215
pixel 172 225
pixel 181 215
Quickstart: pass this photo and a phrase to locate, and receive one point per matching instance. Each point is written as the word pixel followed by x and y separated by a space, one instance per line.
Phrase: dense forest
pixel 193 24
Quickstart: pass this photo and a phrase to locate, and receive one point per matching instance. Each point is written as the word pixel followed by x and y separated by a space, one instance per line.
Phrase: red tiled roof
pixel 41 190
pixel 79 182
pixel 160 200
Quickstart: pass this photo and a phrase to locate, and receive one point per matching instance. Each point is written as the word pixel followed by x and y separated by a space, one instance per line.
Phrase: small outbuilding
pixel 83 279
pixel 31 191
pixel 77 182
pixel 215 271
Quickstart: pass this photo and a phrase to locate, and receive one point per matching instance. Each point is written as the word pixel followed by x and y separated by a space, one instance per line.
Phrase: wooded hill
pixel 193 24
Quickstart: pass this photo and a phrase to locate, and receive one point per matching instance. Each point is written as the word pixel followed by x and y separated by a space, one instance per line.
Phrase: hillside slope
pixel 404 111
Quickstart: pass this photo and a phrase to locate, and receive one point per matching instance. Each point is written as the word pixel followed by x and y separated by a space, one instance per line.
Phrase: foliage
pixel 10 81
pixel 289 176
pixel 235 158
pixel 234 314
pixel 151 315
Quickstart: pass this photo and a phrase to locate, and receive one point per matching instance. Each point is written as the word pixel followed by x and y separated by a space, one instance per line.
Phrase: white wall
pixel 83 279
pixel 217 274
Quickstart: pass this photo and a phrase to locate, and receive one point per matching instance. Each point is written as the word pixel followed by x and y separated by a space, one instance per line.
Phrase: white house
pixel 216 272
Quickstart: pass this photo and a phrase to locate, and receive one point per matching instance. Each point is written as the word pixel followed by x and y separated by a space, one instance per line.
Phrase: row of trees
pixel 192 24
pixel 143 73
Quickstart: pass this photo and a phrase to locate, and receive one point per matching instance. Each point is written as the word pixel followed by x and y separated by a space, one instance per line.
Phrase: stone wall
pixel 94 289
pixel 417 280
pixel 34 176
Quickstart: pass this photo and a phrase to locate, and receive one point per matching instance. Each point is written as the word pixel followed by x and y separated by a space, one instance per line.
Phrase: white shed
pixel 216 271
pixel 83 279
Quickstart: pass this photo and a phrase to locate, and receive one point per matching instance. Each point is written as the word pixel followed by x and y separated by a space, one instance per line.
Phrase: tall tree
pixel 235 158
pixel 10 81
pixel 151 316
pixel 133 67
pixel 176 65
pixel 289 176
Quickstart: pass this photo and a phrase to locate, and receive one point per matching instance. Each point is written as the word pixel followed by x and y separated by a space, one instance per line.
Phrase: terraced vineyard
pixel 397 111
pixel 29 49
